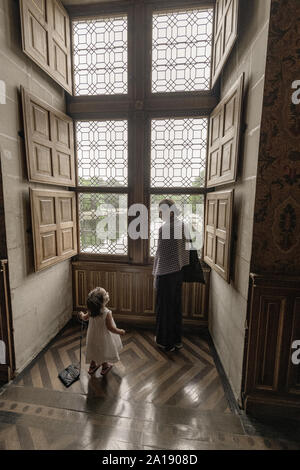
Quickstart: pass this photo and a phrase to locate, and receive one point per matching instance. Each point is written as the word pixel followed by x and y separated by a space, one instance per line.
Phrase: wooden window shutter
pixel 54 226
pixel 46 38
pixel 225 34
pixel 49 139
pixel 224 137
pixel 218 223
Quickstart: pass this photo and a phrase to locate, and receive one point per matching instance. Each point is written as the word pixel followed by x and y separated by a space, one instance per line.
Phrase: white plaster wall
pixel 41 302
pixel 228 302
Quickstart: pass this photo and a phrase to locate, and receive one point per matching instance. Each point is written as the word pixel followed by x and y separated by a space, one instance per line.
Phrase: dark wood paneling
pixel 293 377
pixel 270 322
pixel 271 379
pixel 132 294
pixel 106 107
pixel 115 7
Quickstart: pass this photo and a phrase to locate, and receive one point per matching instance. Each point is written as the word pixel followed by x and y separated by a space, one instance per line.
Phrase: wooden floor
pixel 149 400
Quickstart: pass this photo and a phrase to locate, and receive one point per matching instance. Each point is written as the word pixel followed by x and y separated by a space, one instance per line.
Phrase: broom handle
pixel 81 329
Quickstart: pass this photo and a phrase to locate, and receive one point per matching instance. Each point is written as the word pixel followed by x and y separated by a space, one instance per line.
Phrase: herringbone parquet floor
pixel 187 378
pixel 149 400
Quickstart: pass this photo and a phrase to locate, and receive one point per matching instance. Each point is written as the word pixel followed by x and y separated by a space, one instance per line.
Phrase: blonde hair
pixel 95 300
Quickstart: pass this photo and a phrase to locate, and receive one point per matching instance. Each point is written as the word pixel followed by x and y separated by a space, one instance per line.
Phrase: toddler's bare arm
pixel 111 327
pixel 83 316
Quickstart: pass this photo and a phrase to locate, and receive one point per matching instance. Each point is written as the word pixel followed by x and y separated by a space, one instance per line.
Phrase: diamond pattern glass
pixel 191 207
pixel 181 50
pixel 178 152
pixel 103 223
pixel 100 56
pixel 102 153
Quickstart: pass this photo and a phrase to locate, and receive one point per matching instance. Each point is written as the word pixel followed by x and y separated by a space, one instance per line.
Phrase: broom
pixel 72 373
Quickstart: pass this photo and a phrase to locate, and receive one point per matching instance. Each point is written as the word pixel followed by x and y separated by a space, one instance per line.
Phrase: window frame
pixel 201 190
pixel 101 189
pixel 138 107
pixel 177 5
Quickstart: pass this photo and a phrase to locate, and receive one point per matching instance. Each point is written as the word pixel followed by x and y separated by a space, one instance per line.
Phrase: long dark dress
pixel 168 309
pixel 172 254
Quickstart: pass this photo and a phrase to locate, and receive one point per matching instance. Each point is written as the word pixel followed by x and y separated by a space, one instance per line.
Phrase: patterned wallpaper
pixel 276 237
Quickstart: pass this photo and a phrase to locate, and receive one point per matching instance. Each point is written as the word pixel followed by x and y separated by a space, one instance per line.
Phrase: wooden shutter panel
pixel 49 138
pixel 54 226
pixel 224 136
pixel 225 34
pixel 46 38
pixel 218 223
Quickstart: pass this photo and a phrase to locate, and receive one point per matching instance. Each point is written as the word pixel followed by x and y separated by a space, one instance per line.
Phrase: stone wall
pixel 228 302
pixel 41 302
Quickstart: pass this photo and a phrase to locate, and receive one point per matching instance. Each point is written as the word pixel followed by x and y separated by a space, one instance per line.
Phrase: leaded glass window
pixel 178 152
pixel 191 207
pixel 181 50
pixel 100 56
pixel 112 131
pixel 103 223
pixel 102 153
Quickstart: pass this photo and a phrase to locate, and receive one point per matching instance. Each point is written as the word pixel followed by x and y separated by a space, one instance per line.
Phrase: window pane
pixel 191 208
pixel 102 153
pixel 181 50
pixel 178 152
pixel 103 223
pixel 100 56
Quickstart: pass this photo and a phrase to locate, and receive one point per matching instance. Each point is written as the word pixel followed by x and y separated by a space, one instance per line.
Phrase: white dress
pixel 101 344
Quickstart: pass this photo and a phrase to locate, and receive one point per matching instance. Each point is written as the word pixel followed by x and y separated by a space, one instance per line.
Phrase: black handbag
pixel 69 375
pixel 193 272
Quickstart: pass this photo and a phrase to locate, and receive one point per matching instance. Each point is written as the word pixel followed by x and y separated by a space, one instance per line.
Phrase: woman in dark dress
pixel 172 254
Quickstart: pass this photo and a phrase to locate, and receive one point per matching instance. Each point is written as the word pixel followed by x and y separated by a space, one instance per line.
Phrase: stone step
pixel 119 407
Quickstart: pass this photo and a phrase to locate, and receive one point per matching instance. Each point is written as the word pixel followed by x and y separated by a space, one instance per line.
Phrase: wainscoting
pixel 132 294
pixel 272 381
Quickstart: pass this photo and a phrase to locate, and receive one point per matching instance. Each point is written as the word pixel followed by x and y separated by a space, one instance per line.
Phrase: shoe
pixel 92 370
pixel 178 345
pixel 166 348
pixel 170 349
pixel 107 369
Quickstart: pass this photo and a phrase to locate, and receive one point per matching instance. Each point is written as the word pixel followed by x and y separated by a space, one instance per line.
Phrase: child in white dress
pixel 103 342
